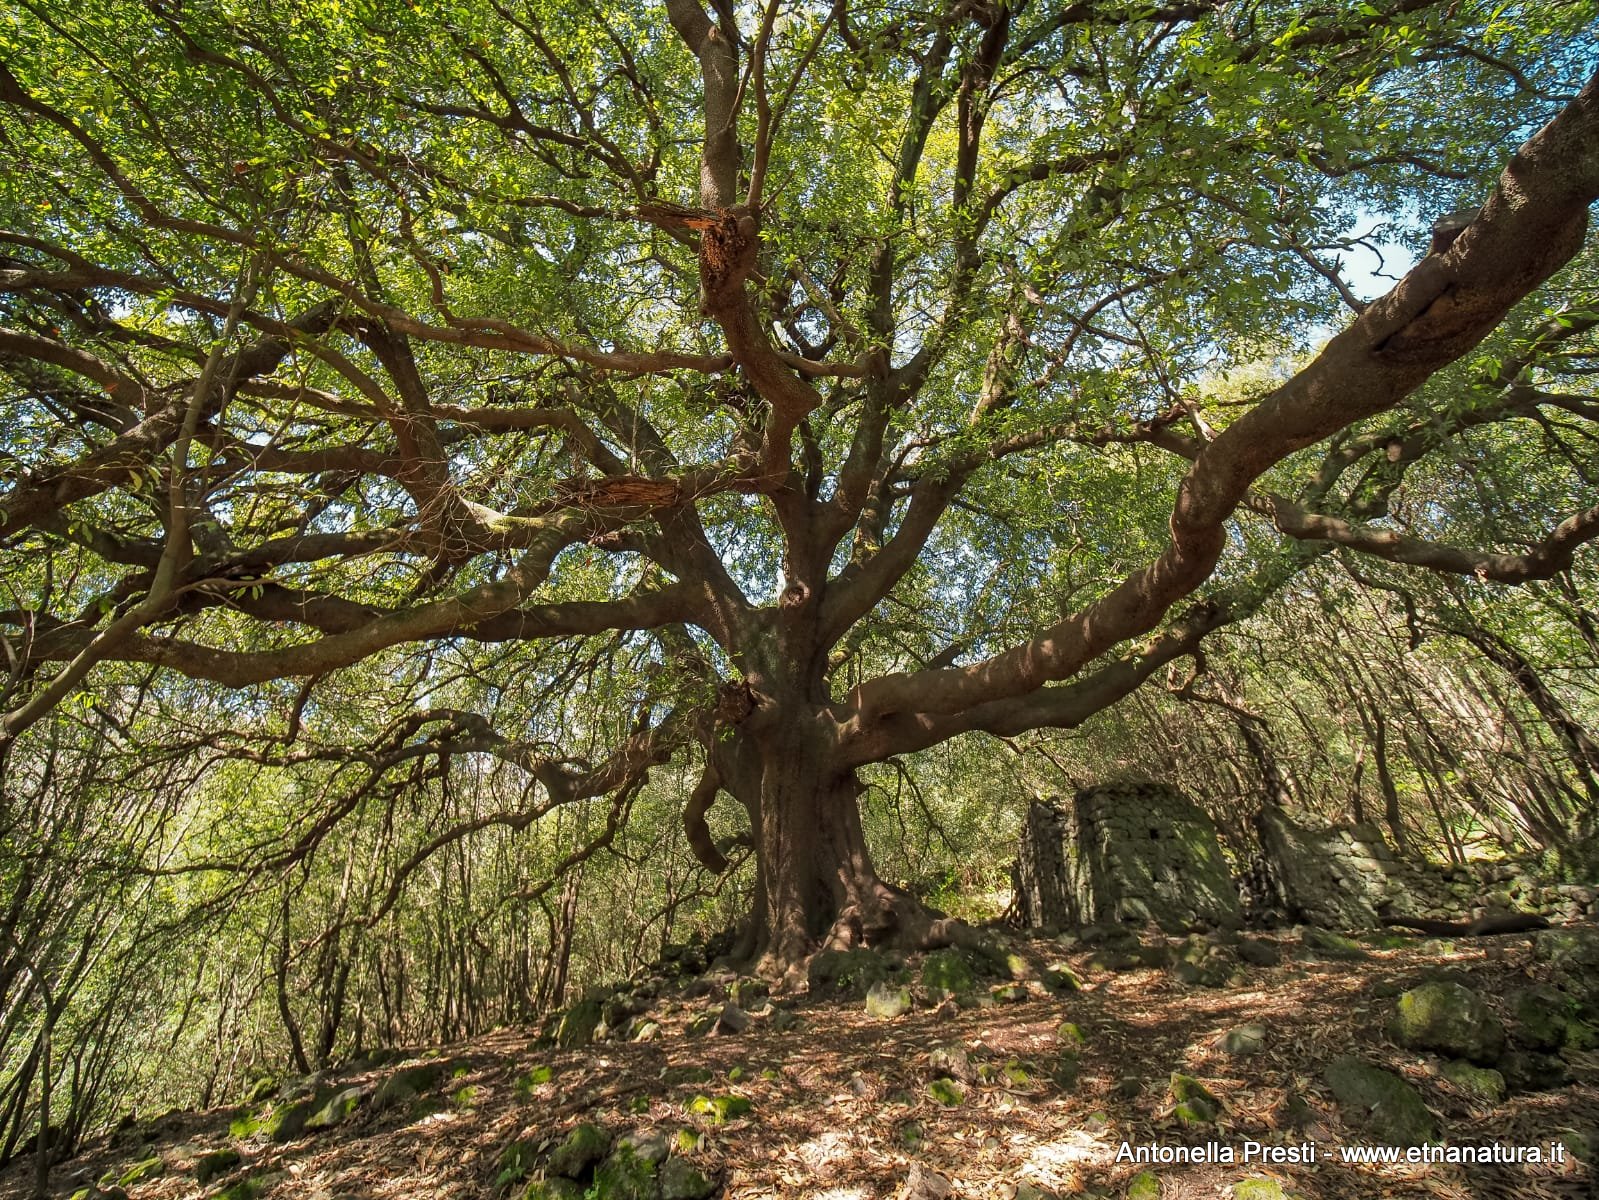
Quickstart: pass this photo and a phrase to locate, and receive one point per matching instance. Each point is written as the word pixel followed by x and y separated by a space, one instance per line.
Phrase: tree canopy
pixel 771 391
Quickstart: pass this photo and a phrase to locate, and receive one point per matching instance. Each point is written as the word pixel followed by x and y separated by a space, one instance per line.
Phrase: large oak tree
pixel 836 353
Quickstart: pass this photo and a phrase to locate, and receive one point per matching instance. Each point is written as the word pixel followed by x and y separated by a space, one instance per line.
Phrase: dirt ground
pixel 842 1109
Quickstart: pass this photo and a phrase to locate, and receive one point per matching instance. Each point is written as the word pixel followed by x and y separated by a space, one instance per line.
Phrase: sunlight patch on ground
pixel 1077 1149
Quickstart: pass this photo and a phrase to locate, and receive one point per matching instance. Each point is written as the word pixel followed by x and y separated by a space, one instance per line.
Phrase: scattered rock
pixel 1070 1033
pixel 287 1121
pixel 848 971
pixel 951 1062
pixel 1059 977
pixel 1258 1189
pixel 1258 953
pixel 215 1164
pixel 555 1188
pixel 677 1076
pixel 1530 1071
pixel 406 1085
pixel 142 1171
pixel 680 1180
pixel 721 1109
pixel 924 1183
pixel 1066 1070
pixel 946 1092
pixel 337 1109
pixel 1388 1107
pixel 1542 1017
pixel 1143 1186
pixel 1483 1083
pixel 1323 943
pixel 747 992
pixel 577 1024
pixel 731 1020
pixel 624 1175
pixel 1450 1019
pixel 1195 1103
pixel 885 1001
pixel 1244 1039
pixel 586 1145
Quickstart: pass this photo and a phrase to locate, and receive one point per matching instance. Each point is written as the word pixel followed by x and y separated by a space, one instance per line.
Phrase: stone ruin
pixel 1131 853
pixel 1347 877
pixel 1127 852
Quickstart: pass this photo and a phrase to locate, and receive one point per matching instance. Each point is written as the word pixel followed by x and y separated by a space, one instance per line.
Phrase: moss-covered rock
pixel 681 1180
pixel 1482 1083
pixel 1573 949
pixel 1323 943
pixel 1143 1186
pixel 720 1109
pixel 1380 1101
pixel 851 972
pixel 1450 1019
pixel 251 1187
pixel 554 1187
pixel 690 1073
pixel 948 972
pixel 516 1161
pixel 946 1092
pixel 1194 1103
pixel 626 1175
pixel 951 1062
pixel 1244 1040
pixel 338 1108
pixel 531 1080
pixel 885 1001
pixel 1059 977
pixel 1543 1015
pixel 215 1164
pixel 287 1121
pixel 747 993
pixel 405 1085
pixel 1530 1071
pixel 1258 1189
pixel 584 1146
pixel 261 1089
pixel 140 1172
pixel 578 1023
pixel 1065 1070
pixel 1580 1144
pixel 1258 953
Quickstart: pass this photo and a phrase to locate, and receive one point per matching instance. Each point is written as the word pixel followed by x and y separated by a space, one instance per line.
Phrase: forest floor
pixel 842 1109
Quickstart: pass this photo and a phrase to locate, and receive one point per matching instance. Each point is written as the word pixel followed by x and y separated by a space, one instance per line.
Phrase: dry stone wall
pixel 1130 852
pixel 1347 877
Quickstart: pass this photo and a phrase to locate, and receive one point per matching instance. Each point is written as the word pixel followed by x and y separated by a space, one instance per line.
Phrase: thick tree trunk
pixel 815 885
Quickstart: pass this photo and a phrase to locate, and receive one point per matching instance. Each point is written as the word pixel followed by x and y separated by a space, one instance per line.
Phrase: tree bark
pixel 816 887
